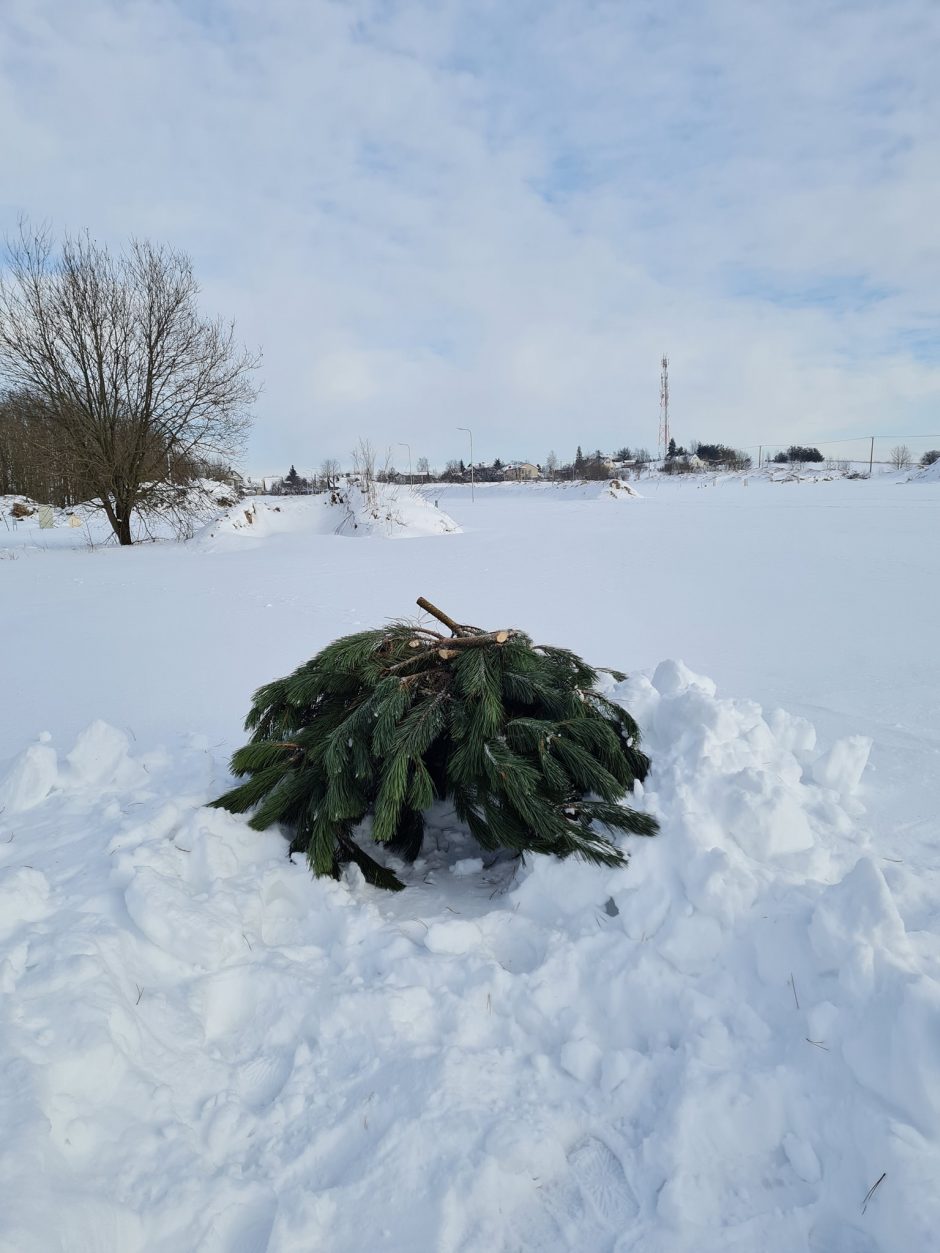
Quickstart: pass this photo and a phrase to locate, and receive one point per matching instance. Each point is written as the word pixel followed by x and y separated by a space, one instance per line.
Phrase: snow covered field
pixel 719 1050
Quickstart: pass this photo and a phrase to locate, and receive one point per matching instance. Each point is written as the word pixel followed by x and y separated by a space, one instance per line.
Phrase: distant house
pixel 522 470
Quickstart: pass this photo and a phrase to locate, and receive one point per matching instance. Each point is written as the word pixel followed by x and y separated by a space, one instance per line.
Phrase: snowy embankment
pixel 391 511
pixel 545 492
pixel 86 525
pixel 210 516
pixel 719 1049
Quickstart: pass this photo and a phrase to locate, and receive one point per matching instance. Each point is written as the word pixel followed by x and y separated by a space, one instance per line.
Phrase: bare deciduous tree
pixel 130 378
pixel 551 464
pixel 423 467
pixel 901 456
pixel 364 458
pixel 329 471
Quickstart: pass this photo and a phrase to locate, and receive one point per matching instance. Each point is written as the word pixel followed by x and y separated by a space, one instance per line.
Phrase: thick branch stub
pixel 464 636
pixel 454 627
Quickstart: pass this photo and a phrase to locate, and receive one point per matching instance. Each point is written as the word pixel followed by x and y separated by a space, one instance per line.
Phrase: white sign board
pixel 46 517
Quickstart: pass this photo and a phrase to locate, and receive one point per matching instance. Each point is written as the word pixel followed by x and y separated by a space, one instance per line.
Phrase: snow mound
pixel 720 1048
pixel 619 488
pixel 929 474
pixel 389 511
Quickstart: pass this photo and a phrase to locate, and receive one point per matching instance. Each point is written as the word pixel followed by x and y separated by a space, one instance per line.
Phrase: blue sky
pixel 501 213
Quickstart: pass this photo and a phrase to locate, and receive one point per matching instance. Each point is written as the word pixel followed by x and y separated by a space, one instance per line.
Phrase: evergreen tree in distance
pixel 514 735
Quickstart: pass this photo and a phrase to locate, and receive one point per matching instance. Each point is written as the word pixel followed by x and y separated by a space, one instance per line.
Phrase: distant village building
pixel 522 470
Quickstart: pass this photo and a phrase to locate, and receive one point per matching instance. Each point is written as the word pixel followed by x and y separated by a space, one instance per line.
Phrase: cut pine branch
pixel 383 723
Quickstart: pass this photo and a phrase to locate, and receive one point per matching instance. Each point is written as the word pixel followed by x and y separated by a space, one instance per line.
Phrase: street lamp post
pixel 411 480
pixel 470 433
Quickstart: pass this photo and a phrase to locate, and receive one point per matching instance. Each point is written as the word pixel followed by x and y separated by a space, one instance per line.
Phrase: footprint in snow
pixel 242 1228
pixel 587 1207
pixel 600 1176
pixel 263 1078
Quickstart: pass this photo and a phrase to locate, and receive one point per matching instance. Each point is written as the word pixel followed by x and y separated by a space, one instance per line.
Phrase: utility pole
pixel 871 456
pixel 411 480
pixel 664 408
pixel 470 433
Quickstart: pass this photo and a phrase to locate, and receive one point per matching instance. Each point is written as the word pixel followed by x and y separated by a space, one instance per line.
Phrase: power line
pixel 855 439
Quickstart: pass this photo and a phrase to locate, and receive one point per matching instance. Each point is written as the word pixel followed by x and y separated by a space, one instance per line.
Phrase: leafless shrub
pixel 364 468
pixel 329 472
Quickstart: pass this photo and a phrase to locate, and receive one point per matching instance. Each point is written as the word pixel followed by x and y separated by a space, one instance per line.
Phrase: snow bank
pixel 71 528
pixel 544 492
pixel 86 526
pixel 719 1049
pixel 390 511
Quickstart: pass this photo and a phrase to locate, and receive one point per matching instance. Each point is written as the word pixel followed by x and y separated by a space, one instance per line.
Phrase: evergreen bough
pixel 515 735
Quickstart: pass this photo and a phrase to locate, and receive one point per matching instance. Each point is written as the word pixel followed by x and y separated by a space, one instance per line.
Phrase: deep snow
pixel 721 1048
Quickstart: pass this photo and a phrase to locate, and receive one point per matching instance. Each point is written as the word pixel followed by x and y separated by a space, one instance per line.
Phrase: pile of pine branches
pixel 514 735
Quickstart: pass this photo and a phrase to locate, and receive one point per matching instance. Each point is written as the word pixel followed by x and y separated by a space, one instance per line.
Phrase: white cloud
pixel 442 214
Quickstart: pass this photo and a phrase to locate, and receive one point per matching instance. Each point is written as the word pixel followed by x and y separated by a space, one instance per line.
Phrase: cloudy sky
pixel 500 213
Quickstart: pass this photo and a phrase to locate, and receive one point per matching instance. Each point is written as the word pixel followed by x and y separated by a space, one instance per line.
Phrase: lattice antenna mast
pixel 664 409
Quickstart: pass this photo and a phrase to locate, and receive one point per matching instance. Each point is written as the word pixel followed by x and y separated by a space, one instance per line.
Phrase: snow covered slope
pixel 392 512
pixel 721 1048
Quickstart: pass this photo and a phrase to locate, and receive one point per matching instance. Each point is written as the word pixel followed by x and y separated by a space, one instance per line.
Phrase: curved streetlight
pixel 470 433
pixel 411 481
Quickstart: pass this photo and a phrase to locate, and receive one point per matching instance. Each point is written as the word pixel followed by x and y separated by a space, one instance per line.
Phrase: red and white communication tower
pixel 664 409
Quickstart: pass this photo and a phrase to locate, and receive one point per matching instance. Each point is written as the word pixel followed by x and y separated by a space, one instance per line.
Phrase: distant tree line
pixel 36 462
pixel 703 455
pixel 595 465
pixel 798 454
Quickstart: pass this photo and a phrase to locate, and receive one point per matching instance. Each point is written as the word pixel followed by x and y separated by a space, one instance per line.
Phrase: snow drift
pixel 390 511
pixel 718 1050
